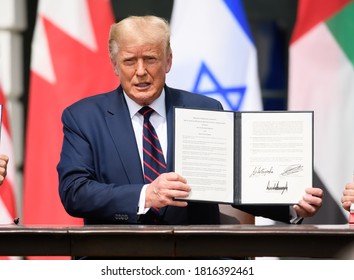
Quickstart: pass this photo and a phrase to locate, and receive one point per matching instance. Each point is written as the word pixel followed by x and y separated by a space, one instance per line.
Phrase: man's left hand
pixel 310 203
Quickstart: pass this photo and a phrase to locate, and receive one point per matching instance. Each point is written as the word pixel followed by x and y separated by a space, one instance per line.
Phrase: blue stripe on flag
pixel 236 8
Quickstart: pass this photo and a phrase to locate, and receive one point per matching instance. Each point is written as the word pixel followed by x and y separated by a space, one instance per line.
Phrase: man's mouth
pixel 142 85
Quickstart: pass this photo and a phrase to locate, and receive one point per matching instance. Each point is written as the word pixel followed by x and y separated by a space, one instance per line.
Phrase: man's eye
pixel 151 60
pixel 129 62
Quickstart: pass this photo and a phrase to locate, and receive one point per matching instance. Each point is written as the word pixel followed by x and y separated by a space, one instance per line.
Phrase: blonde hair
pixel 152 28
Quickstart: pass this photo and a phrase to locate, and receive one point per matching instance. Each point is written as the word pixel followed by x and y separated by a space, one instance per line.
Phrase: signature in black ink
pixel 291 169
pixel 276 186
pixel 261 171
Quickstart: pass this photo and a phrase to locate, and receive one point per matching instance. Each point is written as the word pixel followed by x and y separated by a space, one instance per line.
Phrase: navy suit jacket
pixel 100 172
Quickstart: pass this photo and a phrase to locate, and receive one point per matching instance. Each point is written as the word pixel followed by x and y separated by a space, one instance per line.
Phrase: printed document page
pixel 277 156
pixel 204 153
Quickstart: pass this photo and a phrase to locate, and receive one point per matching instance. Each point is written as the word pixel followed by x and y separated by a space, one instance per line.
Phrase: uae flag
pixel 69 61
pixel 321 78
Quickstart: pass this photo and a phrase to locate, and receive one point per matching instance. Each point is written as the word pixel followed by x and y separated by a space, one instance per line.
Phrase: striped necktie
pixel 154 161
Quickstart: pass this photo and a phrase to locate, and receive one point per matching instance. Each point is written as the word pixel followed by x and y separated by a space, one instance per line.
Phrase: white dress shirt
pixel 158 120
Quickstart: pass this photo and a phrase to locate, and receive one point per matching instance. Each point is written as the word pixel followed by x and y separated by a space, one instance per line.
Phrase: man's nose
pixel 140 68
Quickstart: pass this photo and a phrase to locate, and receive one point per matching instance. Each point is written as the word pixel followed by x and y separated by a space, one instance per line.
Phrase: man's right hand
pixel 165 188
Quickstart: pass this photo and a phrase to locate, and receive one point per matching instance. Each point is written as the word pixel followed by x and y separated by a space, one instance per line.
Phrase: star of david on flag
pixel 233 96
pixel 214 53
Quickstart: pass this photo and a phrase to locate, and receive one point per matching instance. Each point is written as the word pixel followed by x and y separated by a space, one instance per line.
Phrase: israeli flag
pixel 214 53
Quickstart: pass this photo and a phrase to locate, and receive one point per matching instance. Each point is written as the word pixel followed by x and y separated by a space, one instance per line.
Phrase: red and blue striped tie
pixel 154 161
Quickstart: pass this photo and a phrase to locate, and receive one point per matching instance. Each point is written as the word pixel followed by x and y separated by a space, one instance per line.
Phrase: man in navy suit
pixel 101 166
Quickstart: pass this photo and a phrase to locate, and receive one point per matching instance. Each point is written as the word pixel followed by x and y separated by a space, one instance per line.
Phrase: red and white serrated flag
pixel 8 208
pixel 70 61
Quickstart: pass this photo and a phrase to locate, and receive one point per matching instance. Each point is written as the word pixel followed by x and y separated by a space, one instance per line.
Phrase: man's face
pixel 141 68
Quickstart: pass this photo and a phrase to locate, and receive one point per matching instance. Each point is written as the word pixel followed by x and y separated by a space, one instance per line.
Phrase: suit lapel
pixel 120 127
pixel 171 101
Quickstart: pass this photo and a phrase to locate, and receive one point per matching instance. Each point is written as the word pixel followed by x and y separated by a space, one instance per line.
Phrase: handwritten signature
pixel 291 169
pixel 276 186
pixel 261 171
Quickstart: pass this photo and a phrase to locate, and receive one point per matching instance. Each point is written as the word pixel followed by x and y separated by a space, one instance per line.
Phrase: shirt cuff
pixel 294 218
pixel 141 207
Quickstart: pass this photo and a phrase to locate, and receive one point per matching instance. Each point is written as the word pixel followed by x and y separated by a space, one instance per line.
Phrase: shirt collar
pixel 158 105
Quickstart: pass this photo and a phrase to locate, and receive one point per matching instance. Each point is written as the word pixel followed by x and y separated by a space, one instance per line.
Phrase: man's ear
pixel 169 63
pixel 115 69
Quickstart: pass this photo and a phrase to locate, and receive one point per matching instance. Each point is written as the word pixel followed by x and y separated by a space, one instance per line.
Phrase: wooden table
pixel 134 241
